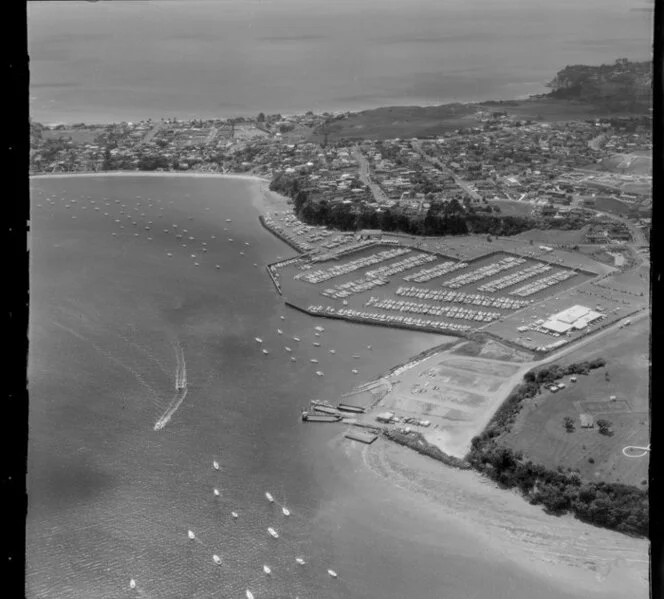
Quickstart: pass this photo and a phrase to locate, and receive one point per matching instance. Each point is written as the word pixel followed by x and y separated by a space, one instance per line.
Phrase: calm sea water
pixel 111 499
pixel 106 61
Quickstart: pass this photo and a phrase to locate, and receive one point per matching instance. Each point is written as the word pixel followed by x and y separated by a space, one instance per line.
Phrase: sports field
pixel 539 430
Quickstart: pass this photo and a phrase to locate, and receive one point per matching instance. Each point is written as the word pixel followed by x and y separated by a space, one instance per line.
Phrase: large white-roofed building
pixel 577 317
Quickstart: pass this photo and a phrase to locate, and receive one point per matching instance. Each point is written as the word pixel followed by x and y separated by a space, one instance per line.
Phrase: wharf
pixel 360 435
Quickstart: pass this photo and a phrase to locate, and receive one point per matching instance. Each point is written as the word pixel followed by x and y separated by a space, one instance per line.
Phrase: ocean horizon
pixel 106 62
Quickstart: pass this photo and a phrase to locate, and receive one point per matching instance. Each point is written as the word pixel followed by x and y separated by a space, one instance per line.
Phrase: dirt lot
pixel 539 431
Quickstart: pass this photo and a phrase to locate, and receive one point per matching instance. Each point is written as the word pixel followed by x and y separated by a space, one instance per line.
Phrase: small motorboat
pixel 217 559
pixel 266 352
pixel 282 317
pixel 258 340
pixel 332 573
pixel 280 331
pixel 234 514
pixel 313 361
pixel 273 532
pixel 368 347
pixel 300 561
pixel 292 359
pixel 132 584
pixel 285 510
pixel 288 349
pixel 319 329
pixel 216 492
pixel 316 344
pixel 241 253
pixel 217 266
pixel 296 339
pixel 269 497
pixel 267 569
pixel 333 351
pixel 169 255
pixel 319 373
pixel 215 464
pixel 228 220
pixel 191 535
pixel 354 371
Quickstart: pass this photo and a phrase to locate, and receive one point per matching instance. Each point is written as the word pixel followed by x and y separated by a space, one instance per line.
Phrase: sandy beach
pixel 582 559
pixel 579 557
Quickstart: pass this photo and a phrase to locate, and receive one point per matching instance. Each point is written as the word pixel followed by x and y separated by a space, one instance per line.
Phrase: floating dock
pixel 313 417
pixel 324 409
pixel 362 436
pixel 348 408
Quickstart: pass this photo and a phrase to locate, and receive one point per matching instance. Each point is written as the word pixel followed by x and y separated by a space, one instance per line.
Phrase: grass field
pixel 539 431
pixel 78 136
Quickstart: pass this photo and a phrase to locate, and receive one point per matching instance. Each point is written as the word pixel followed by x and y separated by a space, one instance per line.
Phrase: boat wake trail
pixel 180 389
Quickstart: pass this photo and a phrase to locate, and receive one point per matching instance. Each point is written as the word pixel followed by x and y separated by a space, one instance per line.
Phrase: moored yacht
pixel 258 340
pixel 313 361
pixel 319 373
pixel 266 352
pixel 288 349
pixel 273 532
pixel 332 573
pixel 269 497
pixel 296 338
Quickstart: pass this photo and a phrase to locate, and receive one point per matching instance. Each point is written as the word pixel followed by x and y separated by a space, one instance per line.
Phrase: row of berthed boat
pixel 435 309
pixel 395 268
pixel 544 283
pixel 459 297
pixel 515 278
pixel 484 272
pixel 324 274
pixel 382 318
pixel 353 287
pixel 426 274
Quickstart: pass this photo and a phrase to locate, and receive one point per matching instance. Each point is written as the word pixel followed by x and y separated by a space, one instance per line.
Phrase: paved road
pixel 151 133
pixel 365 176
pixel 417 145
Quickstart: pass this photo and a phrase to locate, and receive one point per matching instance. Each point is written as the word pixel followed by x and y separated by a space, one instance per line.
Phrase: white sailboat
pixel 273 532
pixel 267 569
pixel 217 559
pixel 269 497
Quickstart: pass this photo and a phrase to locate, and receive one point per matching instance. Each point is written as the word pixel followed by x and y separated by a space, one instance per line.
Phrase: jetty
pixel 361 436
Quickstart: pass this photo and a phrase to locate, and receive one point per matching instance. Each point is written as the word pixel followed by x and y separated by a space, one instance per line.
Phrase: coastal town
pixel 520 241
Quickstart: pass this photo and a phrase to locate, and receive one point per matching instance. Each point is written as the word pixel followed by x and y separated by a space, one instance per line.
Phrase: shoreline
pixel 534 541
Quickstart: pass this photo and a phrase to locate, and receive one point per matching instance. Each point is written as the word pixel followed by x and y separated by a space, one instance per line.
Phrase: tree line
pixel 440 219
pixel 610 505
